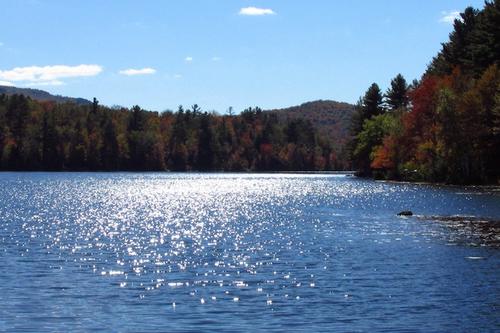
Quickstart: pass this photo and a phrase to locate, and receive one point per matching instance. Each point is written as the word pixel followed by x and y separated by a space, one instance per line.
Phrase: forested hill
pixel 44 135
pixel 446 126
pixel 41 95
pixel 331 118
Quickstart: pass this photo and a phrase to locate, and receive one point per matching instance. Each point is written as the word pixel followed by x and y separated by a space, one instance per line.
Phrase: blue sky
pixel 218 53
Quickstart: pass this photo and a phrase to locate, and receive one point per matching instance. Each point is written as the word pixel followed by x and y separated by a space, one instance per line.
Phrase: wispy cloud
pixel 1 44
pixel 188 59
pixel 449 16
pixel 48 75
pixel 216 58
pixel 141 71
pixel 254 11
pixel 177 76
pixel 46 83
pixel 6 83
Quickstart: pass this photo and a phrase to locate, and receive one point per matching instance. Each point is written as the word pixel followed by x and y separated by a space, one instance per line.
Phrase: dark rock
pixel 405 213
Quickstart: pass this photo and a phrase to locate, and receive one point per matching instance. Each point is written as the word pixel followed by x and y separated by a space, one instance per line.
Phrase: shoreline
pixel 478 186
pixel 349 173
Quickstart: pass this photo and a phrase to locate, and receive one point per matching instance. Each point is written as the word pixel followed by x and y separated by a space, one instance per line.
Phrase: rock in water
pixel 405 213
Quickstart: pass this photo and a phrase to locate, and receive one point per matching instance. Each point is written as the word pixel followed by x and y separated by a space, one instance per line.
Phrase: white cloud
pixel 49 75
pixel 450 17
pixel 177 76
pixel 188 59
pixel 133 71
pixel 254 11
pixel 6 83
pixel 216 58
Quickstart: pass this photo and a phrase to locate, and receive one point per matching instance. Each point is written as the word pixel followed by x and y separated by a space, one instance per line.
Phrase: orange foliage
pixel 266 149
pixel 385 154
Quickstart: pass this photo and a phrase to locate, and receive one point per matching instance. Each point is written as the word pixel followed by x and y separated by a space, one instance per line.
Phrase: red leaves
pixel 384 155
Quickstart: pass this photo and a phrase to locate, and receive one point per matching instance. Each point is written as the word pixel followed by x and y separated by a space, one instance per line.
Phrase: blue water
pixel 151 252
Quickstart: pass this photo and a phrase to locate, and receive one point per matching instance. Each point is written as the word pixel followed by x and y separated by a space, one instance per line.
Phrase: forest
pixel 444 127
pixel 44 135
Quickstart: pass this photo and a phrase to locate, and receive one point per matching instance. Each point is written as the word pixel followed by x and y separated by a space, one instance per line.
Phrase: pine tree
pixel 397 94
pixel 372 102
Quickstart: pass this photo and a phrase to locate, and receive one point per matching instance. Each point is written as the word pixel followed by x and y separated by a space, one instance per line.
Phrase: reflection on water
pixel 227 252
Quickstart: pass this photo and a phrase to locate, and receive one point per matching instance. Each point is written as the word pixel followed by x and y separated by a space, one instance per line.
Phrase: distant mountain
pixel 41 95
pixel 331 118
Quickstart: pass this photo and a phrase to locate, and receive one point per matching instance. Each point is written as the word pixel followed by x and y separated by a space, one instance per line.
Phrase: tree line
pixel 38 135
pixel 446 126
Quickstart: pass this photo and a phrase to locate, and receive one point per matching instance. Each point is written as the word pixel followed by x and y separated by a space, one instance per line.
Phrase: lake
pixel 188 252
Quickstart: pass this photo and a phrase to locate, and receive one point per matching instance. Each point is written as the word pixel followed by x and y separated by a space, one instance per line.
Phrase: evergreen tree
pixel 206 145
pixel 397 94
pixel 110 158
pixel 50 155
pixel 372 102
pixel 367 107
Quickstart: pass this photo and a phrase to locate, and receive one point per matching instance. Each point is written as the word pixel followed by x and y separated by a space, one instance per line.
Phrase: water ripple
pixel 180 251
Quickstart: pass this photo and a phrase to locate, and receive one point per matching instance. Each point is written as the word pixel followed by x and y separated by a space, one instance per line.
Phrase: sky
pixel 219 53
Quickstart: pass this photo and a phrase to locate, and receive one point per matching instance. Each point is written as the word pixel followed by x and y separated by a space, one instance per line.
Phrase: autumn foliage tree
pixel 445 128
pixel 52 136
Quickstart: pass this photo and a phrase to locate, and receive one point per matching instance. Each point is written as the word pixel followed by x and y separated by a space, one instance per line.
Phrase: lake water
pixel 171 252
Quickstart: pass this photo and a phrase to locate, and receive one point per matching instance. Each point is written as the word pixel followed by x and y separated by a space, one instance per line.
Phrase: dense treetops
pixel 474 44
pixel 38 135
pixel 445 128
